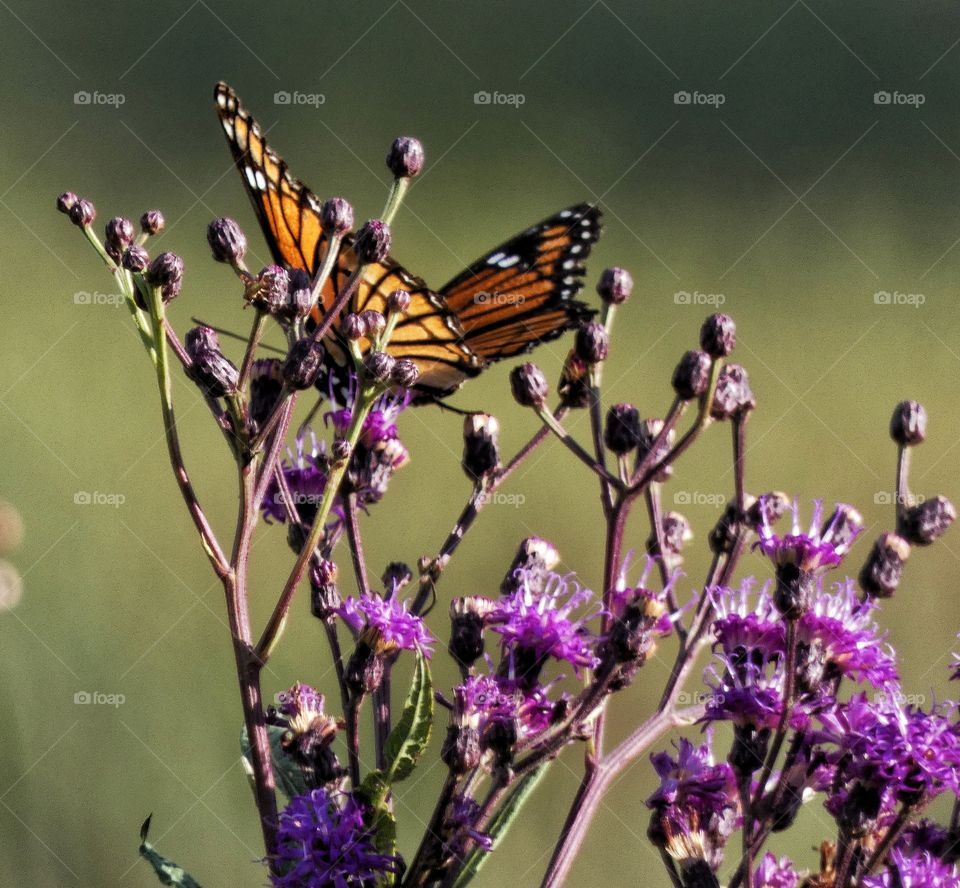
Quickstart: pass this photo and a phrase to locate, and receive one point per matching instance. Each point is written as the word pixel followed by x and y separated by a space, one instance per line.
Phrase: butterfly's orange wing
pixel 289 215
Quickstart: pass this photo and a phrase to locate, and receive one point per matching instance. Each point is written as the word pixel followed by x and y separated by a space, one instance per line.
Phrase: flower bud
pixel 336 216
pixel 621 433
pixel 299 304
pixel 676 533
pixel 405 373
pixel 592 343
pixel 118 235
pixel 395 577
pixel 166 272
pixel 82 212
pixel 303 363
pixel 481 447
pixel 353 327
pixel 324 596
pixel 399 301
pixel 266 384
pixel 529 385
pixel 927 522
pixel 844 526
pixel 135 258
pixel 378 366
pixel 615 285
pixel 227 240
pixel 210 368
pixel 405 158
pixel 467 623
pixel 733 396
pixel 724 533
pixel 152 222
pixel 272 287
pixel 372 242
pixel 536 557
pixel 364 672
pixel 66 201
pixel 574 386
pixel 908 425
pixel 718 335
pixel 691 378
pixel 374 322
pixel 883 569
pixel 767 508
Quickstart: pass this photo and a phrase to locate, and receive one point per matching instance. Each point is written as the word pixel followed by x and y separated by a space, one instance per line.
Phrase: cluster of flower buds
pixel 918 523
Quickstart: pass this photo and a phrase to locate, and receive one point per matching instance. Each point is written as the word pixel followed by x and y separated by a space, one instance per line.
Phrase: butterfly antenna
pixel 231 335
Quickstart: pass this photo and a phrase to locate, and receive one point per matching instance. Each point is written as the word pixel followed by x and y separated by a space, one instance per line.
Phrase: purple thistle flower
pixel 816 550
pixel 305 473
pixel 920 870
pixel 744 624
pixel 461 817
pixel 773 873
pixel 483 701
pixel 626 595
pixel 537 618
pixel 390 624
pixel 324 842
pixel 747 693
pixel 380 424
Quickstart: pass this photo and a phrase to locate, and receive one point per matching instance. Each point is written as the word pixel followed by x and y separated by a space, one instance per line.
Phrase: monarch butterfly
pixel 511 299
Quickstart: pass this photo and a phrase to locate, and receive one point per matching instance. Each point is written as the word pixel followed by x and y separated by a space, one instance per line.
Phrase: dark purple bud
pixel 844 525
pixel 733 396
pixel 152 222
pixel 66 201
pixel 529 385
pixel 691 378
pixel 535 558
pixel 374 323
pixel 767 508
pixel 718 335
pixel 467 622
pixel 574 386
pixel 396 576
pixel 364 672
pixel 303 363
pixel 621 432
pixel 211 370
pixel 615 285
pixel 336 217
pixel 135 258
pixel 399 301
pixel 227 240
pixel 481 445
pixel 273 285
pixel 299 304
pixel 724 533
pixel 324 596
pixel 82 213
pixel 119 233
pixel 592 343
pixel 927 522
pixel 908 425
pixel 166 272
pixel 405 373
pixel 883 569
pixel 372 243
pixel 378 366
pixel 405 158
pixel 353 327
pixel 266 384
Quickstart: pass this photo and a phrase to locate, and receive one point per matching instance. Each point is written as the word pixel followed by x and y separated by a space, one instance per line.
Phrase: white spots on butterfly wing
pixel 576 248
pixel 495 258
pixel 565 214
pixel 251 176
pixel 261 181
pixel 228 127
pixel 508 261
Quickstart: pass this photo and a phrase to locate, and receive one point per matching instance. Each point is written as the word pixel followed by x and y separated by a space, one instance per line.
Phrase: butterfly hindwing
pixel 523 292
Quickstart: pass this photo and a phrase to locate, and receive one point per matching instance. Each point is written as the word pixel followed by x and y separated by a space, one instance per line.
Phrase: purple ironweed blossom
pixel 773 873
pixel 908 754
pixel 461 817
pixel 819 549
pixel 485 700
pixel 746 693
pixel 625 595
pixel 380 424
pixel 323 841
pixel 695 808
pixel 537 620
pixel 919 870
pixel 305 473
pixel 744 624
pixel 386 624
pixel 309 734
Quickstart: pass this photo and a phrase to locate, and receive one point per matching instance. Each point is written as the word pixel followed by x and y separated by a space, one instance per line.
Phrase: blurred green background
pixel 794 202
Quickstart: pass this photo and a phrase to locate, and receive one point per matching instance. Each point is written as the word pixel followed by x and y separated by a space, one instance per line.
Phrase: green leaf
pixel 501 823
pixel 167 871
pixel 411 735
pixel 376 791
pixel 288 774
